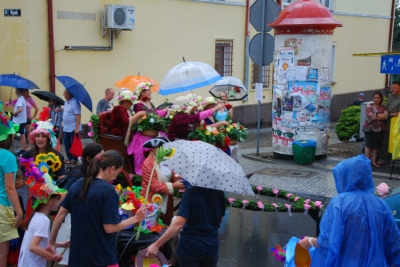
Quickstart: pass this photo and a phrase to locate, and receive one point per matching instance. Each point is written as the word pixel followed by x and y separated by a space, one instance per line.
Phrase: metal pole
pixel 247 54
pixel 260 72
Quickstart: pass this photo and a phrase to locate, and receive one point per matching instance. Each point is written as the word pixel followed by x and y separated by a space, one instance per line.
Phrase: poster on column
pixel 286 60
pixel 307 89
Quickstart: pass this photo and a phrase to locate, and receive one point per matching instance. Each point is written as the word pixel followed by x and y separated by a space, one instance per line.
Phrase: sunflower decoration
pixel 51 159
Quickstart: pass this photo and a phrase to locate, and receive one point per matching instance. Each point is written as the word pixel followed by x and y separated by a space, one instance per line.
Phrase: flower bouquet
pixel 150 124
pixel 236 132
pixel 94 123
pixel 52 160
pixel 210 135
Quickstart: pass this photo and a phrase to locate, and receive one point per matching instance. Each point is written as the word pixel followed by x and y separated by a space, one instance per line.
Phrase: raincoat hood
pixel 354 174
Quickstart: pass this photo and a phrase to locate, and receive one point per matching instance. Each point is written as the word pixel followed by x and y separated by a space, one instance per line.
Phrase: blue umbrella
pixel 77 90
pixel 16 81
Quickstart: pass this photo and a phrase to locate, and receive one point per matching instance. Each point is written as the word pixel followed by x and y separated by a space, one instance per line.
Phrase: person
pixel 164 180
pixel 393 106
pixel 8 195
pixel 56 114
pixel 359 100
pixel 144 104
pixel 209 103
pixel 72 123
pixel 19 117
pixel 357 228
pixel 200 214
pixel 45 198
pixel 30 103
pixel 186 119
pixel 13 254
pixel 104 103
pixel 93 205
pixel 374 126
pixel 224 114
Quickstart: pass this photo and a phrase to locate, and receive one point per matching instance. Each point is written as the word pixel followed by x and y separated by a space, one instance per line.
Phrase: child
pixel 19 117
pixel 46 197
pixel 13 253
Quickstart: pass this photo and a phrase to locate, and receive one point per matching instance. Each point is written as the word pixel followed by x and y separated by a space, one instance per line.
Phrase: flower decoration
pixel 289 195
pixel 260 205
pixel 51 159
pixel 210 135
pixel 382 189
pixel 7 127
pixel 94 123
pixel 289 207
pixel 235 131
pixel 151 121
pixel 244 202
pixel 275 191
pixel 279 253
pixel 143 86
pixel 306 208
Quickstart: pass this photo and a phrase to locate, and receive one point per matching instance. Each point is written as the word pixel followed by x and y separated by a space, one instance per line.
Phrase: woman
pixel 209 103
pixel 224 114
pixel 357 228
pixel 9 202
pixel 164 180
pixel 30 103
pixel 144 94
pixel 93 205
pixel 186 119
pixel 374 126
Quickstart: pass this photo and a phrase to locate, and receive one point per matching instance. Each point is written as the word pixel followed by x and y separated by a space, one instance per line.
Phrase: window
pixel 265 75
pixel 223 57
pixel 328 3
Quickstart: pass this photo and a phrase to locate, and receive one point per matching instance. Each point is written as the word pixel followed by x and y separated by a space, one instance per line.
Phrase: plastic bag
pixel 290 252
pixel 394 138
pixel 76 148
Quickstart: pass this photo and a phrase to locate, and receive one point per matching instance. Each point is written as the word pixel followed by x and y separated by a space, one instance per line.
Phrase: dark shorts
pixel 28 122
pixel 373 139
pixel 21 128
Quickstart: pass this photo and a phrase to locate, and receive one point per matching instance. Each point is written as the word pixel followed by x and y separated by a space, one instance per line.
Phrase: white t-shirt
pixel 39 226
pixel 21 117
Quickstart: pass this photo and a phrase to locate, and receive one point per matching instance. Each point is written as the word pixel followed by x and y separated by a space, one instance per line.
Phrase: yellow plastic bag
pixel 394 138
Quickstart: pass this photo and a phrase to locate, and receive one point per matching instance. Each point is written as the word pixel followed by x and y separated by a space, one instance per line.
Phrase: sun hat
pixel 143 86
pixel 182 104
pixel 7 127
pixel 156 142
pixel 127 95
pixel 196 98
pixel 208 101
pixel 45 127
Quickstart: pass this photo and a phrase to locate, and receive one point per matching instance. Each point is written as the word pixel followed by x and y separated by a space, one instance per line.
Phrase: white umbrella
pixel 233 87
pixel 204 165
pixel 188 76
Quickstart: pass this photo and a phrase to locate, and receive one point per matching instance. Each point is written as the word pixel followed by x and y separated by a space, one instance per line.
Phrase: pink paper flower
pixel 307 201
pixel 306 206
pixel 90 124
pixel 382 189
pixel 289 195
pixel 288 206
pixel 90 134
pixel 130 175
pixel 230 200
pixel 260 205
pixel 275 205
pixel 259 188
pixel 181 190
pixel 296 198
pixel 318 204
pixel 275 191
pixel 245 201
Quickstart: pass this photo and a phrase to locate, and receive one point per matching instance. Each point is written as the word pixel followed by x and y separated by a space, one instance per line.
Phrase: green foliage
pixel 349 123
pixel 208 134
pixel 151 121
pixel 95 127
pixel 235 131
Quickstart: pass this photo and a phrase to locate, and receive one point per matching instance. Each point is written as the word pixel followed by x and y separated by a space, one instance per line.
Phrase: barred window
pixel 223 57
pixel 328 3
pixel 265 75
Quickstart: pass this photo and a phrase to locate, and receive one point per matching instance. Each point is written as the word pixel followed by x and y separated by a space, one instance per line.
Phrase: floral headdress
pixel 7 127
pixel 44 126
pixel 183 104
pixel 143 86
pixel 127 95
pixel 208 101
pixel 41 185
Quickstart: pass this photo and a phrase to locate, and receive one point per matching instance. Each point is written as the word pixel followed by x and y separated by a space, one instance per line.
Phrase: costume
pixel 374 129
pixel 357 228
pixel 393 107
pixel 119 121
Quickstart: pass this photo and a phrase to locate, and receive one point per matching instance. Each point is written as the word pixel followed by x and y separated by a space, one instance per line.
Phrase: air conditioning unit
pixel 119 17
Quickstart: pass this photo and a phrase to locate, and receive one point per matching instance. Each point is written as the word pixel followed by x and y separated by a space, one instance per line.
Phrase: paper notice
pixel 259 92
pixel 301 73
pixel 290 75
pixel 324 74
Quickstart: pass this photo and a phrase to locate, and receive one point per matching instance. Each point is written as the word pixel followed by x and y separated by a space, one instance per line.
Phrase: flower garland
pixel 94 123
pixel 51 159
pixel 210 135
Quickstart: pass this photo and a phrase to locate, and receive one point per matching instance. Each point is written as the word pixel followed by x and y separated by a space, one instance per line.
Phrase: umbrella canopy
pixel 77 90
pixel 132 81
pixel 204 165
pixel 188 76
pixel 233 87
pixel 45 96
pixel 16 81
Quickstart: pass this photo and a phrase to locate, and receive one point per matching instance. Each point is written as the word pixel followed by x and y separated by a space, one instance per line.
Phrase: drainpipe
pixel 279 2
pixel 247 55
pixel 52 65
pixel 392 14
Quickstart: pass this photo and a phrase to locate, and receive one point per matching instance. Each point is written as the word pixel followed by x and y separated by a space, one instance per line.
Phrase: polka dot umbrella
pixel 205 165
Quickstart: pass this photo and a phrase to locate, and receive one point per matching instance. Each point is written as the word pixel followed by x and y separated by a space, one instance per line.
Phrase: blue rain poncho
pixel 357 228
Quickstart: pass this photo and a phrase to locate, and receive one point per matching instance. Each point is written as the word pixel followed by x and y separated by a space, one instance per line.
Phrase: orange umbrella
pixel 132 81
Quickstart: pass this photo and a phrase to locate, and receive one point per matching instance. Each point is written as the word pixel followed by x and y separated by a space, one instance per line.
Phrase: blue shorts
pixel 21 130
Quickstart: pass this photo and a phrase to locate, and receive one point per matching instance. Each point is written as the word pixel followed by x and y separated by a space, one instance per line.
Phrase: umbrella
pixel 188 76
pixel 233 87
pixel 132 81
pixel 45 96
pixel 77 90
pixel 17 81
pixel 204 165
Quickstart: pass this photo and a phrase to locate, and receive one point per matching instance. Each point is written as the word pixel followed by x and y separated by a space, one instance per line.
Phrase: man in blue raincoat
pixel 357 228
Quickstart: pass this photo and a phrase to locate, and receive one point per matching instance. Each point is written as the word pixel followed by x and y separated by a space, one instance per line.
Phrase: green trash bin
pixel 304 151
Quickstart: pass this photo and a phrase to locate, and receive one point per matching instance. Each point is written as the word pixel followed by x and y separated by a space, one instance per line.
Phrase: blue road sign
pixel 390 64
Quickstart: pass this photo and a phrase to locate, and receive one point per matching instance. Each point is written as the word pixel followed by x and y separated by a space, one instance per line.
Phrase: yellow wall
pixel 370 7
